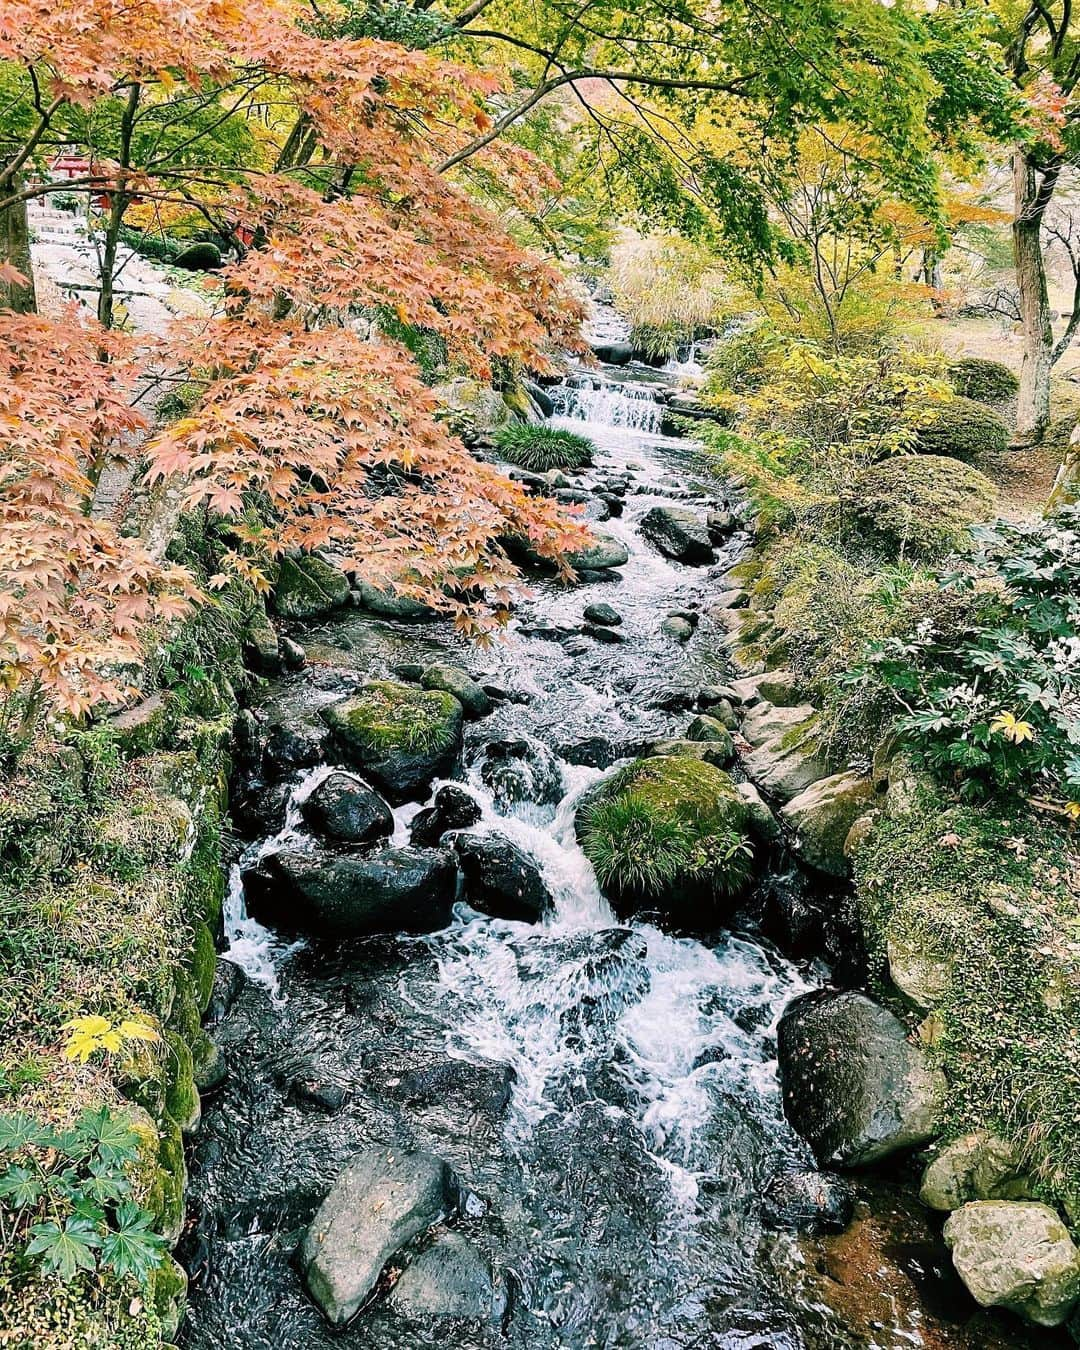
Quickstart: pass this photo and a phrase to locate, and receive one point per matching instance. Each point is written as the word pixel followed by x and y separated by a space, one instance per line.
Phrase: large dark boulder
pixel 520 770
pixel 678 533
pixel 308 587
pixel 452 809
pixel 295 745
pixel 400 738
pixel 381 1202
pixel 344 807
pixel 855 1087
pixel 802 1201
pixel 395 890
pixel 500 878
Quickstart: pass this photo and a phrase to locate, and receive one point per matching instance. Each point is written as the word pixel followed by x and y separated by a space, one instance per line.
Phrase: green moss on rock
pixel 386 717
pixel 666 828
pixel 963 429
pixel 181 1095
pixel 919 506
pixel 308 587
pixel 202 963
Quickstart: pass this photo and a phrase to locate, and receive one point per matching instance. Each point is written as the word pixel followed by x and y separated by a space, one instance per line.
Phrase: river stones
pixel 975 1166
pixel 307 587
pixel 712 753
pixel 454 680
pixel 404 890
pixel 854 1086
pixel 603 614
pixel 821 817
pixel 344 807
pixel 678 533
pixel 520 770
pixel 1018 1255
pixel 382 1201
pixel 802 1201
pixel 452 809
pixel 295 745
pixel 677 628
pixel 388 602
pixel 605 553
pixel 401 738
pixel 500 878
pixel 450 1279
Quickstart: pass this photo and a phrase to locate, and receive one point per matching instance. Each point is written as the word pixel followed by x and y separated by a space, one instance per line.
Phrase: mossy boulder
pixel 308 587
pixel 822 816
pixel 919 506
pixel 991 382
pixel 202 256
pixel 669 831
pixel 471 410
pixel 963 429
pixel 181 1095
pixel 401 738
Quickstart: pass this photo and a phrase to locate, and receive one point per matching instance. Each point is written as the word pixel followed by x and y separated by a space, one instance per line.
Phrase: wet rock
pixel 600 752
pixel 611 636
pixel 1018 1255
pixel 382 1201
pixel 247 739
pixel 260 811
pixel 501 879
pixel 807 1202
pixel 516 771
pixel 229 980
pixel 344 807
pixel 399 737
pixel 612 501
pixel 821 817
pixel 396 890
pixel 308 587
pixel 613 353
pixel 677 628
pixel 450 1279
pixel 672 698
pixel 293 655
pixel 312 1087
pixel 409 671
pixel 452 809
pixel 763 824
pixel 388 602
pixel 977 1166
pixel 602 614
pixel 678 533
pixel 261 645
pixel 719 525
pixel 854 1086
pixel 704 727
pixel 714 700
pixel 295 745
pixel 603 555
pixel 454 680
pixel 480 1087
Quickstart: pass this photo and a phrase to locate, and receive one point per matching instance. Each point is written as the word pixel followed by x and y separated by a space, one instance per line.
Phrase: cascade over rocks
pixel 399 737
pixel 678 533
pixel 404 890
pixel 855 1087
pixel 344 807
pixel 501 879
pixel 380 1203
pixel 520 771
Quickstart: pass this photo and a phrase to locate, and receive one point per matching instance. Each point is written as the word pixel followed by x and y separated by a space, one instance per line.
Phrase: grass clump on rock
pixel 538 447
pixel 964 429
pixel 919 506
pixel 385 717
pixel 664 826
pixel 975 377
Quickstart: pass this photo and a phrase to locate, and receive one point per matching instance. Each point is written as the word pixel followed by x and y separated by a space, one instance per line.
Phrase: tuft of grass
pixel 387 717
pixel 634 846
pixel 538 447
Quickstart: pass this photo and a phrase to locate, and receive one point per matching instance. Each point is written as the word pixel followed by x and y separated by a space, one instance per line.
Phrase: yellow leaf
pixel 138 1031
pixel 1012 728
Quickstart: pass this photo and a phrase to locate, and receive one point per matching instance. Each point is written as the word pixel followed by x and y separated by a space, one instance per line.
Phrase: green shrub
pixel 988 696
pixel 963 429
pixel 538 447
pixel 667 823
pixel 919 506
pixel 985 381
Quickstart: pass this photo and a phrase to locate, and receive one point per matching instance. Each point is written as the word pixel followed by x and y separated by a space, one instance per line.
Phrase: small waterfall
pixel 630 406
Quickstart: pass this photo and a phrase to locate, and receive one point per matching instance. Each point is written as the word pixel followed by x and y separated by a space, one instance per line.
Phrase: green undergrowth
pixel 538 447
pixel 110 892
pixel 991 896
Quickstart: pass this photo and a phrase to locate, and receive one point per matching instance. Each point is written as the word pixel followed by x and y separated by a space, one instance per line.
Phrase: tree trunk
pixel 1032 192
pixel 15 249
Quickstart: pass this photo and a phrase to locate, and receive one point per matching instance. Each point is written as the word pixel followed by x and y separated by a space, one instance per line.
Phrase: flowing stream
pixel 606 1091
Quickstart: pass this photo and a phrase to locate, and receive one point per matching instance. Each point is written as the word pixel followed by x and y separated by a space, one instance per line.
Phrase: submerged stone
pixel 450 1279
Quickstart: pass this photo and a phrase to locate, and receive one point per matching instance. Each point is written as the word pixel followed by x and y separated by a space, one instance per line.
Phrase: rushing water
pixel 607 1092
